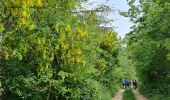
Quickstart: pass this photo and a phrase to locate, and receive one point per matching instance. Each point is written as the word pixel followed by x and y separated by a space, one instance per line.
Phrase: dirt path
pixel 138 95
pixel 118 95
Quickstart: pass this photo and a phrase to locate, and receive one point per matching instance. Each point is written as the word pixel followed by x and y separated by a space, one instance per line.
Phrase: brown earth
pixel 138 95
pixel 118 95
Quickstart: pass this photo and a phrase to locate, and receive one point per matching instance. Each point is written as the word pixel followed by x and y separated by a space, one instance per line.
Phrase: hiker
pixel 131 82
pixel 134 82
pixel 127 83
pixel 123 82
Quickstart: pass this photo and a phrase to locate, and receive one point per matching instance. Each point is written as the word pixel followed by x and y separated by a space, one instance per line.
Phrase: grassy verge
pixel 160 97
pixel 128 95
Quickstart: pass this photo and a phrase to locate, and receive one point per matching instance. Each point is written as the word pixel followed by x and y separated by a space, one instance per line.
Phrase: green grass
pixel 128 95
pixel 160 97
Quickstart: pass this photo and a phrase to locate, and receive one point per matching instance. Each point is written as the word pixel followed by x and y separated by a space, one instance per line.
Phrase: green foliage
pixel 128 95
pixel 126 64
pixel 148 45
pixel 52 52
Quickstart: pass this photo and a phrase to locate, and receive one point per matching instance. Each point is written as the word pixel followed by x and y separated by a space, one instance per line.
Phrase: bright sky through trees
pixel 122 24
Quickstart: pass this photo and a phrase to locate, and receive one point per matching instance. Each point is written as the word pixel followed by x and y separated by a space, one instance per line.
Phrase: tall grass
pixel 128 95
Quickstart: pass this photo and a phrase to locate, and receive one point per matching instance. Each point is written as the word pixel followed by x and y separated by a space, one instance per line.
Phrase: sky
pixel 122 24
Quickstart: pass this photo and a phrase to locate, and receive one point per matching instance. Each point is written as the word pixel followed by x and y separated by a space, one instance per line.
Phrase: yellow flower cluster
pixel 28 3
pixel 77 51
pixel 41 41
pixel 80 33
pixel 68 28
pixel 21 11
pixel 108 39
pixel 6 55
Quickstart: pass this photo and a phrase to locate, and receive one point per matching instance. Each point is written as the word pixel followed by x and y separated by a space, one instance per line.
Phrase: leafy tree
pixel 49 51
pixel 148 44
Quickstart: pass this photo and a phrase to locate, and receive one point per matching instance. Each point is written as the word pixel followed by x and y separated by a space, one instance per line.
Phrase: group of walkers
pixel 129 84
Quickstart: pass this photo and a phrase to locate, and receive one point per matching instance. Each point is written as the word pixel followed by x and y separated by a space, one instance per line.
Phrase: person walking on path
pixel 123 82
pixel 134 82
pixel 127 83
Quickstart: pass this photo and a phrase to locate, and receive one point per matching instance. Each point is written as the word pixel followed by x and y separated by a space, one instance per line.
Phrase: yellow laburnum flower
pixel 24 14
pixel 52 56
pixel 44 54
pixel 158 45
pixel 82 34
pixel 6 55
pixel 50 75
pixel 39 3
pixel 23 21
pixel 57 46
pixel 62 38
pixel 30 3
pixel 78 51
pixel 46 67
pixel 31 27
pixel 14 52
pixel 40 69
pixel 1 27
pixel 24 6
pixel 25 49
pixel 68 28
pixel 19 57
pixel 78 60
pixel 56 28
pixel 62 78
pixel 14 12
pixel 38 41
pixel 79 30
pixel 65 46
